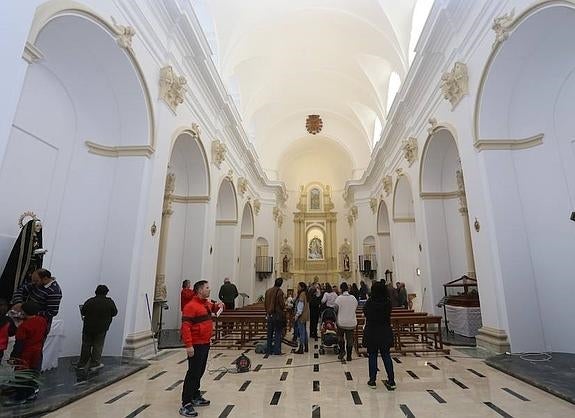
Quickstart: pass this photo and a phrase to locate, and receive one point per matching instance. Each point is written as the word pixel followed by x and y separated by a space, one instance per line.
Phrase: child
pixel 27 352
pixel 7 327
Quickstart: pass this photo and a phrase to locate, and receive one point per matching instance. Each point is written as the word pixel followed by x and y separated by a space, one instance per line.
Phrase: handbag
pixel 364 337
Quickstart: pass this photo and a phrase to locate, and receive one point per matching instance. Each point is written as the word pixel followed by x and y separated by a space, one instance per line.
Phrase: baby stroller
pixel 328 332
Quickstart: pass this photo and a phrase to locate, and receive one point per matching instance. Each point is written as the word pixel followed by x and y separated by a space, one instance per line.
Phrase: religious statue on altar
pixel 285 264
pixel 346 263
pixel 26 256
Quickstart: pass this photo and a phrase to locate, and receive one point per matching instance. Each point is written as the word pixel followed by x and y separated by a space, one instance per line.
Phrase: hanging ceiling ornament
pixel 313 124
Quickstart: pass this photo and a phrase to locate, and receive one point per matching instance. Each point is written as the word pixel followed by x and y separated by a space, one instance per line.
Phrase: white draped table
pixel 464 320
pixel 53 345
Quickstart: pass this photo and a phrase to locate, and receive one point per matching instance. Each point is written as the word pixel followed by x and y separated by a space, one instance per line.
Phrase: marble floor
pixel 309 385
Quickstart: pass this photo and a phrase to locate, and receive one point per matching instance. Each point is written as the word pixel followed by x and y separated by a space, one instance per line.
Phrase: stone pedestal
pixel 492 339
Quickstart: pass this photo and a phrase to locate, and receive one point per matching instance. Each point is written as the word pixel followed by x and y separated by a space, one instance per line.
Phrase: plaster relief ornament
pixel 124 35
pixel 257 206
pixel 399 172
pixel 373 204
pixel 172 87
pixel 313 124
pixel 409 147
pixel 230 175
pixel 168 194
pixel 454 84
pixel 242 185
pixel 278 216
pixel 461 190
pixel 387 184
pixel 219 151
pixel 502 26
pixel 352 216
pixel 433 125
pixel 160 291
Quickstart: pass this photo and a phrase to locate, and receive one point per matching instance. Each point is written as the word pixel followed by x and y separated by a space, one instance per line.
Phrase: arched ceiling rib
pixel 292 58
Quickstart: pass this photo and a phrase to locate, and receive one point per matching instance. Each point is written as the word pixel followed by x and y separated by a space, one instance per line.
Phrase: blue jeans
pixel 302 332
pixel 388 364
pixel 274 336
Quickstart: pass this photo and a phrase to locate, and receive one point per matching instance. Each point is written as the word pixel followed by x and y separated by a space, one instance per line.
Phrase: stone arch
pixel 226 257
pixel 227 203
pixel 383 239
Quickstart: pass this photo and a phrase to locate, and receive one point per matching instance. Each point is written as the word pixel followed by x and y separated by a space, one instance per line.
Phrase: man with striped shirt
pixel 43 290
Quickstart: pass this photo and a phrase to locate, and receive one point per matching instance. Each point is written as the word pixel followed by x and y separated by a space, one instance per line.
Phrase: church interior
pixel 424 144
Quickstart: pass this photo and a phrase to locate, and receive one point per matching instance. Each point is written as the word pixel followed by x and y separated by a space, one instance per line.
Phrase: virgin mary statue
pixel 26 256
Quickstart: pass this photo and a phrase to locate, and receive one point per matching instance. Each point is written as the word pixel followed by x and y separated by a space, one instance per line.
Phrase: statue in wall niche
pixel 346 263
pixel 26 256
pixel 315 250
pixel 285 264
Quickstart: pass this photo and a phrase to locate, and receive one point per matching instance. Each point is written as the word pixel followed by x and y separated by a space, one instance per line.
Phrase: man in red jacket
pixel 196 334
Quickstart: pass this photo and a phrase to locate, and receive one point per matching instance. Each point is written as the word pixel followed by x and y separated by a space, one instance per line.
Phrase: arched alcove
pixel 69 97
pixel 445 212
pixel 384 251
pixel 246 279
pixel 185 221
pixel 527 91
pixel 226 257
pixel 406 252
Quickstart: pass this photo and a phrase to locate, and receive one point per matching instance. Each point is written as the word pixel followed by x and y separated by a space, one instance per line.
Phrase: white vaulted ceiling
pixel 285 59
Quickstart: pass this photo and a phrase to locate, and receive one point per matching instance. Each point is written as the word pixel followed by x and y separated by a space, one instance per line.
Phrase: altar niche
pixel 315 235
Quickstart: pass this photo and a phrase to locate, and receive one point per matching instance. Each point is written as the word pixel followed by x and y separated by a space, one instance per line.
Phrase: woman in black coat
pixel 378 335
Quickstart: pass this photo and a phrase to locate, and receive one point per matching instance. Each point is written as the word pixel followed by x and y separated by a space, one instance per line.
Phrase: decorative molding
pixel 172 87
pixel 278 216
pixel 492 339
pixel 461 190
pixel 190 199
pixel 502 26
pixel 219 151
pixel 387 184
pixel 373 204
pixel 509 144
pixel 257 206
pixel 226 222
pixel 31 53
pixel 230 175
pixel 348 196
pixel 242 185
pixel 160 291
pixel 409 147
pixel 281 197
pixel 352 215
pixel 404 219
pixel 119 150
pixel 124 35
pixel 455 84
pixel 385 233
pixel 439 195
pixel 168 194
pixel 399 172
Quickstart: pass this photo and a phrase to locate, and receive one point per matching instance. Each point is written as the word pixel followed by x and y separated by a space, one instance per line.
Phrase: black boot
pixel 306 348
pixel 300 349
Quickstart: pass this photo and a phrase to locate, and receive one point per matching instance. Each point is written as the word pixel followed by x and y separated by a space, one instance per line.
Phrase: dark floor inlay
pixel 175 385
pixel 217 355
pixel 409 372
pixel 247 351
pixel 316 367
pixel 245 385
pixel 458 383
pixel 258 367
pixel 315 412
pixel 356 398
pixel 433 366
pixel 436 396
pixel 226 411
pixel 348 376
pixel 266 355
pixel 316 385
pixel 406 411
pixel 137 411
pixel 315 347
pixel 416 355
pixel 154 377
pixel 517 395
pixel 222 374
pixel 283 376
pixel 289 361
pixel 315 355
pixel 450 359
pixel 276 398
pixel 498 410
pixel 183 361
pixel 120 396
pixel 476 373
pixel 396 360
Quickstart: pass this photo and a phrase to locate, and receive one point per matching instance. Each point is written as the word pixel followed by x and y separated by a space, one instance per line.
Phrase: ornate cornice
pixel 455 84
pixel 172 87
pixel 190 199
pixel 509 144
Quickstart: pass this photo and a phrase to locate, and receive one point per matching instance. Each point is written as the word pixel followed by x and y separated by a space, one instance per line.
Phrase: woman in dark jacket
pixel 314 298
pixel 354 291
pixel 378 334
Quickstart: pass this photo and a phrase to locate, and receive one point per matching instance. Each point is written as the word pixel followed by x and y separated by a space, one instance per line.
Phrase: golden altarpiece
pixel 315 241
